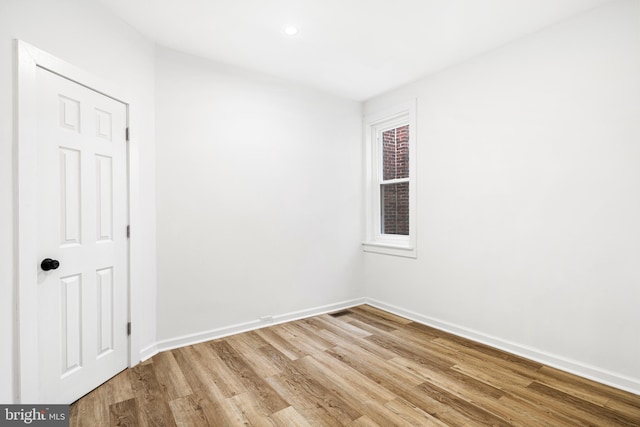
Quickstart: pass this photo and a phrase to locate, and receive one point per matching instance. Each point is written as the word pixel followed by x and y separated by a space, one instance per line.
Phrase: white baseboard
pixel 603 376
pixel 199 337
pixel 148 352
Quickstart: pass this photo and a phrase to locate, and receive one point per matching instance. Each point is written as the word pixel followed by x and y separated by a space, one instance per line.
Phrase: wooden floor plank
pixel 358 367
pixel 409 351
pixel 466 354
pixel 91 407
pixel 252 355
pixel 629 410
pixel 254 412
pixel 197 374
pixel 170 377
pixel 341 340
pixel 308 405
pixel 401 384
pixel 472 412
pixel 346 327
pixel 289 417
pixel 586 386
pixel 384 314
pixel 364 421
pixel 189 411
pixel 591 412
pixel 356 395
pixel 378 370
pixel 531 415
pixel 492 375
pixel 349 380
pixel 467 388
pixel 366 321
pixel 310 393
pixel 124 413
pixel 267 397
pixel 152 401
pixel 454 381
pixel 275 340
pixel 312 338
pixel 412 415
pixel 298 339
pixel 484 352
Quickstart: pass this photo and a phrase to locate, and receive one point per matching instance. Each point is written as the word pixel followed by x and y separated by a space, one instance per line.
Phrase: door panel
pixel 105 311
pixel 104 197
pixel 70 196
pixel 70 339
pixel 82 219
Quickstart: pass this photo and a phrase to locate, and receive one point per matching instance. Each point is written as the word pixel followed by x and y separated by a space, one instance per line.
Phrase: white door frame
pixel 27 60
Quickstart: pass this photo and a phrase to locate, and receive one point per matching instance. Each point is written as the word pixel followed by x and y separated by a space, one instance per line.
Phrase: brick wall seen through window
pixel 394 195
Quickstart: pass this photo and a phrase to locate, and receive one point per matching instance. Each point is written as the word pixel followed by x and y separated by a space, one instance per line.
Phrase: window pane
pixel 395 208
pixel 395 153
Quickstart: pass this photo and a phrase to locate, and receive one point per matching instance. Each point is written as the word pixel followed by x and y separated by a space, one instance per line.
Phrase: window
pixel 391 170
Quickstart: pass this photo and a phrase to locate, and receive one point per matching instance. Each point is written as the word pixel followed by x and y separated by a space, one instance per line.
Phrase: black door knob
pixel 49 264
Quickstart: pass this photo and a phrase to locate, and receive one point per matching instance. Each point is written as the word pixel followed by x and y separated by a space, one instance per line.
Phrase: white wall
pixel 90 38
pixel 528 197
pixel 259 199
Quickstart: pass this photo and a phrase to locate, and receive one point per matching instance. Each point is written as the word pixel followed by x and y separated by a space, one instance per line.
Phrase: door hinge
pixel 128 231
pixel 127 134
pixel 128 328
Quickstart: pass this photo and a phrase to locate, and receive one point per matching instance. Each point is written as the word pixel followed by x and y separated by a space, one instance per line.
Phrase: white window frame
pixel 374 124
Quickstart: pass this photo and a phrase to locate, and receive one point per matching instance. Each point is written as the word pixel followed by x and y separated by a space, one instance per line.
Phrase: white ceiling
pixel 354 48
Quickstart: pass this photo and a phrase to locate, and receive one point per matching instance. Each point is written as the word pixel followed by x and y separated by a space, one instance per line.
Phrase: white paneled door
pixel 82 238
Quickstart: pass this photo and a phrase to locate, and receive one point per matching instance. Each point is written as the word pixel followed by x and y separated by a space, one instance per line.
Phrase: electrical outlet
pixel 266 319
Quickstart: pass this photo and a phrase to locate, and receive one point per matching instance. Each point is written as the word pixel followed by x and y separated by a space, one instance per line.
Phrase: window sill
pixel 390 249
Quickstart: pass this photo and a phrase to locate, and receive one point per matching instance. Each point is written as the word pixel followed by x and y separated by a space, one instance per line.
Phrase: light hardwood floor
pixel 360 367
